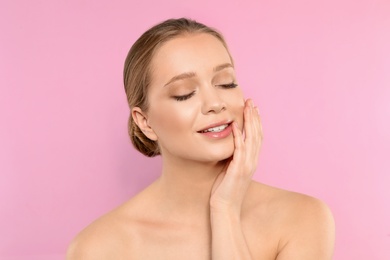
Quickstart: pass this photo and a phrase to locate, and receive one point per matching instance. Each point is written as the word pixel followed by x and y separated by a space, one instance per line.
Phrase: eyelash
pixel 185 97
pixel 231 85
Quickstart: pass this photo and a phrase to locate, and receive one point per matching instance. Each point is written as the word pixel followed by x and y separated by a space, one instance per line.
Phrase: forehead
pixel 198 53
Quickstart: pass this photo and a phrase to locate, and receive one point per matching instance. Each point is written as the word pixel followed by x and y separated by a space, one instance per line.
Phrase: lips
pixel 218 131
pixel 216 127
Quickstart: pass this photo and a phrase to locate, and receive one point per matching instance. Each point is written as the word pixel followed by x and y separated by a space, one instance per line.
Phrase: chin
pixel 219 154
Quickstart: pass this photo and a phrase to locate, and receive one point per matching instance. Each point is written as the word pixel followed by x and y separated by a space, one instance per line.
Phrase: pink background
pixel 318 70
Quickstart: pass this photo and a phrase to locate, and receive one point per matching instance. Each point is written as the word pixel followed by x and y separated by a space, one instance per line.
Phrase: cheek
pixel 239 113
pixel 237 103
pixel 171 119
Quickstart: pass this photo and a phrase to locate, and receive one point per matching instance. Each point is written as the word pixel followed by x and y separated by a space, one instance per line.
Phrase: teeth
pixel 215 129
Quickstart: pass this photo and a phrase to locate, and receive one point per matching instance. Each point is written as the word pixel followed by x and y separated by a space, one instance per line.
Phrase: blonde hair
pixel 137 72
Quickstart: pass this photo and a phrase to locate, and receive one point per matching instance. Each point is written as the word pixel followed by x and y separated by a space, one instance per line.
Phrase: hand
pixel 232 183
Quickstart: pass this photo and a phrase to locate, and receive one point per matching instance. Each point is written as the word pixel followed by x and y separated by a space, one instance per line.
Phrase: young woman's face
pixel 193 99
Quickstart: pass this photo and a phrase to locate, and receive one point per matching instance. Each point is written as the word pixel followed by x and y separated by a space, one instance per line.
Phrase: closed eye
pixel 231 85
pixel 184 97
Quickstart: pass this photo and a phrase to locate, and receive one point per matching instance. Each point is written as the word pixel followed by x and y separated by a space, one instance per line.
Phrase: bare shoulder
pixel 307 224
pixel 112 236
pixel 100 240
pixel 297 205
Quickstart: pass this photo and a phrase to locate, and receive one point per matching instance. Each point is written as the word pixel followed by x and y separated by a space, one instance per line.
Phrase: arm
pixel 228 241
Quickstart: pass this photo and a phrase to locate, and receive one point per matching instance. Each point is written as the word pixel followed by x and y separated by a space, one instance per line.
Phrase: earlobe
pixel 140 118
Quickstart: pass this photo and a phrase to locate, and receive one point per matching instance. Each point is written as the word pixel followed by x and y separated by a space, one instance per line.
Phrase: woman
pixel 187 107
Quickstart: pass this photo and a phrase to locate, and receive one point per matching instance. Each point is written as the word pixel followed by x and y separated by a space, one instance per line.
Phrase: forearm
pixel 228 241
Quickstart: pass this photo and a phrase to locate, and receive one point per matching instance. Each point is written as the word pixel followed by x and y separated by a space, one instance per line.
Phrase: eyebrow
pixel 187 75
pixel 184 75
pixel 223 66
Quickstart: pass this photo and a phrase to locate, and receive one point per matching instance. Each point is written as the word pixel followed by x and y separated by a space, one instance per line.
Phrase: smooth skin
pixel 205 204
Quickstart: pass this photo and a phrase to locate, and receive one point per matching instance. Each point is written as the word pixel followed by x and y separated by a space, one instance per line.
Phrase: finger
pixel 239 151
pixel 258 131
pixel 253 137
pixel 257 122
pixel 247 118
pixel 260 125
pixel 238 140
pixel 251 128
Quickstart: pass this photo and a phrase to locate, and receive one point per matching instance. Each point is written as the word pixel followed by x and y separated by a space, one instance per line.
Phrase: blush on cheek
pixel 168 121
pixel 239 111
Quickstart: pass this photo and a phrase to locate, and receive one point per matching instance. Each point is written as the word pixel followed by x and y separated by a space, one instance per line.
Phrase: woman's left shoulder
pixel 303 219
pixel 294 206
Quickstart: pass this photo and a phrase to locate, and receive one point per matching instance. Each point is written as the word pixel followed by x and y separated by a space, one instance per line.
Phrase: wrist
pixel 225 214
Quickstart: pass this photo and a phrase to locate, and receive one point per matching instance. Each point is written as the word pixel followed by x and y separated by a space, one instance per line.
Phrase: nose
pixel 212 101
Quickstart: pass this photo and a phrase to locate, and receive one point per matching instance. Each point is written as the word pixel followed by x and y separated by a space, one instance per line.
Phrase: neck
pixel 186 185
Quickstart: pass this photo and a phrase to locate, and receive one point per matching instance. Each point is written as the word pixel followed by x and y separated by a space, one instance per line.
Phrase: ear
pixel 140 118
